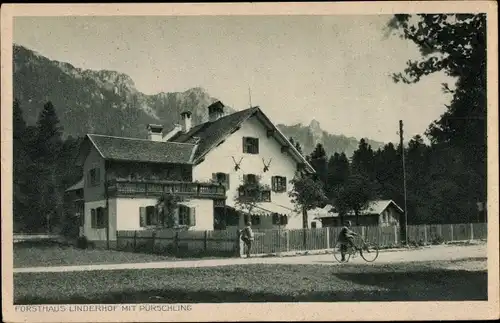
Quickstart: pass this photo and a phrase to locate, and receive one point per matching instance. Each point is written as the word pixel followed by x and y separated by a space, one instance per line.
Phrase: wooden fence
pixel 227 242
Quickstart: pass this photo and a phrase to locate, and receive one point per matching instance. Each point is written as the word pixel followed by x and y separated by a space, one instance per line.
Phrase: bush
pixel 82 243
pixel 437 240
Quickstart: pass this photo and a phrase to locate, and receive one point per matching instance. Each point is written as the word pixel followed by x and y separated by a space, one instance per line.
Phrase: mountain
pixel 107 102
pixel 312 134
pixel 104 102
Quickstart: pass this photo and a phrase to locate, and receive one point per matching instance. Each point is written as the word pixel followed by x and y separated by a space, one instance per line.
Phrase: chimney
pixel 186 121
pixel 155 132
pixel 215 111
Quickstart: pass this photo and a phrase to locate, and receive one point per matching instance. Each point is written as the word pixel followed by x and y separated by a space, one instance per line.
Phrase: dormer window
pixel 250 145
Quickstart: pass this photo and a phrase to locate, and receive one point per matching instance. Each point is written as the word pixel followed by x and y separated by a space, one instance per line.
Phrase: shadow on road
pixel 438 285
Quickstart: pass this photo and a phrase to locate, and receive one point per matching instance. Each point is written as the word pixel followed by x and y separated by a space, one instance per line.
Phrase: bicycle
pixel 368 251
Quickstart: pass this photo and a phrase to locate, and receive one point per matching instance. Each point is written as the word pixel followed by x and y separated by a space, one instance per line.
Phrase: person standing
pixel 247 236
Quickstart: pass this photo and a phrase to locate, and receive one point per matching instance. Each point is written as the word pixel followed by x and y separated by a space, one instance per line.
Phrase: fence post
pixel 135 240
pixel 176 243
pixel 304 238
pixel 287 240
pixel 239 244
pixel 205 238
pixel 153 241
pixel 395 234
pixel 451 231
pixel 327 238
pixel 471 231
pixel 425 233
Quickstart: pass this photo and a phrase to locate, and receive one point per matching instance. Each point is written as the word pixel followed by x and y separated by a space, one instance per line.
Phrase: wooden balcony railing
pixel 118 187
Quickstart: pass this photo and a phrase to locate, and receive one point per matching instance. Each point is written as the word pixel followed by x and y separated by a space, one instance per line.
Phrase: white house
pixel 240 147
pixel 204 164
pixel 377 213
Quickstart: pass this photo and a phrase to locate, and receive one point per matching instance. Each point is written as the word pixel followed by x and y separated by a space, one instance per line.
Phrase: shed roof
pixel 77 186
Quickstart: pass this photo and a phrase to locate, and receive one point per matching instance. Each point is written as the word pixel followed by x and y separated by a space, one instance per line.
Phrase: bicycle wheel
pixel 370 252
pixel 337 254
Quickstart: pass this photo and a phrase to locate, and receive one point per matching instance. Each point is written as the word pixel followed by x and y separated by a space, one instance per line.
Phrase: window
pixel 278 183
pixel 98 218
pixel 221 178
pixel 183 215
pixel 250 179
pixel 94 177
pixel 151 215
pixel 148 216
pixel 255 219
pixel 266 196
pixel 313 225
pixel 187 215
pixel 250 145
pixel 280 219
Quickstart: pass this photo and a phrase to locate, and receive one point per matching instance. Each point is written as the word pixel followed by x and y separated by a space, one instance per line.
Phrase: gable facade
pixel 253 149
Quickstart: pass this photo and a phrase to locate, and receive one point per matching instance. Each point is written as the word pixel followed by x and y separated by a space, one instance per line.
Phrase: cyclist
pixel 346 238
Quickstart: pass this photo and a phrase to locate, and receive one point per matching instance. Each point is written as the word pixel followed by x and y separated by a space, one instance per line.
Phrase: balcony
pixel 124 188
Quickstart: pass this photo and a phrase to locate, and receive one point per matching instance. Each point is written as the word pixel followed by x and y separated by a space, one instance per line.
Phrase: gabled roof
pixel 378 206
pixel 142 150
pixel 374 207
pixel 210 134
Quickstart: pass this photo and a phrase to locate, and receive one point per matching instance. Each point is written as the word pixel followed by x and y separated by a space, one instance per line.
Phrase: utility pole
pixel 404 177
pixel 250 97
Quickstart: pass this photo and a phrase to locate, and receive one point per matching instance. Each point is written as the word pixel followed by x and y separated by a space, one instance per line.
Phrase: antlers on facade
pixel 237 164
pixel 266 166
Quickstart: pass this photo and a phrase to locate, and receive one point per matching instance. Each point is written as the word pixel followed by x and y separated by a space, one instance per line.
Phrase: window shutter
pixel 245 178
pixel 97 175
pixel 275 218
pixel 192 216
pixel 142 215
pixel 92 218
pixel 284 220
pixel 284 184
pixel 256 141
pixel 89 179
pixel 245 145
pixel 227 181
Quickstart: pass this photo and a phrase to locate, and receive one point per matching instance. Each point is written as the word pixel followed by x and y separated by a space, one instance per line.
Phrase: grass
pixel 39 254
pixel 256 283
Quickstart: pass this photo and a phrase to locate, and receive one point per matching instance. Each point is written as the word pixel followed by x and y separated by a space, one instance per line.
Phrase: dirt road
pixel 433 253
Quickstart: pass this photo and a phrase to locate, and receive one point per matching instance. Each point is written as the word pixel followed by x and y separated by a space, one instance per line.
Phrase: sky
pixel 334 69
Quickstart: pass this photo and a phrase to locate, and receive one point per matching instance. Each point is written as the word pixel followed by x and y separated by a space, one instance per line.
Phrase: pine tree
pixel 319 162
pixel 20 163
pixel 338 172
pixel 48 147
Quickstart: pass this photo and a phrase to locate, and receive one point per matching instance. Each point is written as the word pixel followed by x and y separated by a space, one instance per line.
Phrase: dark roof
pixel 141 150
pixel 211 133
